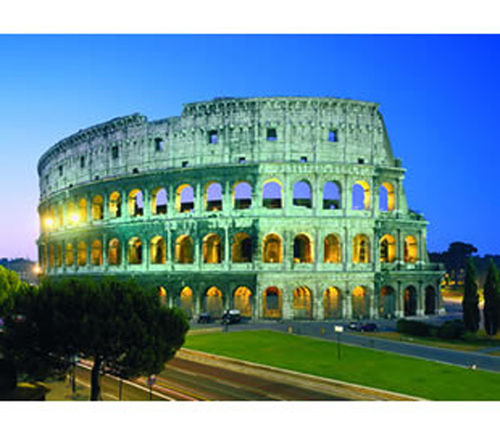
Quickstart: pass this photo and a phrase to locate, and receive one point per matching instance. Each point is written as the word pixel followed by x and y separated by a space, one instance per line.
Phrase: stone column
pixel 399 301
pixel 123 248
pixel 420 299
pixel 286 306
pixel 227 205
pixel 89 208
pixel 146 195
pixel 347 194
pixel 348 303
pixel 170 201
pixel 227 245
pixel 146 260
pixel 104 241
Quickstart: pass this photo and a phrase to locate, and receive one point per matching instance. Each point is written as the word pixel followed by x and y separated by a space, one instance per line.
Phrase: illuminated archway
pixel 213 197
pixel 242 248
pixel 332 198
pixel 360 195
pixel 97 208
pixel 70 255
pixel 186 301
pixel 302 196
pixel 96 253
pixel 60 216
pixel 135 203
pixel 271 249
pixel 59 255
pixel 332 249
pixel 360 303
pixel 271 302
pixel 184 198
pixel 184 249
pixel 302 303
pixel 82 210
pixel 387 302
pixel 387 249
pixel 272 194
pixel 72 217
pixel 242 300
pixel 332 303
pixel 361 249
pixel 212 249
pixel 159 201
pixel 114 252
pixel 214 302
pixel 115 205
pixel 302 249
pixel 410 301
pixel 411 249
pixel 386 197
pixel 81 254
pixel 134 251
pixel 242 195
pixel 158 250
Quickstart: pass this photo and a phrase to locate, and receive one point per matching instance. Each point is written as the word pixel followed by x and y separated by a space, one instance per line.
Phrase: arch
pixel 360 303
pixel 387 302
pixel 97 208
pixel 114 253
pixel 302 196
pixel 410 301
pixel 115 205
pixel 184 249
pixel 332 198
pixel 81 254
pixel 82 210
pixel 360 195
pixel 430 300
pixel 302 249
pixel 163 296
pixel 302 303
pixel 241 248
pixel 272 303
pixel 332 303
pixel 272 194
pixel 186 301
pixel 411 249
pixel 212 249
pixel 72 217
pixel 214 302
pixel 159 201
pixel 213 196
pixel 386 197
pixel 242 195
pixel 271 249
pixel 70 255
pixel 242 300
pixel 158 250
pixel 59 255
pixel 134 252
pixel 96 253
pixel 135 203
pixel 332 249
pixel 361 249
pixel 184 198
pixel 51 256
pixel 387 249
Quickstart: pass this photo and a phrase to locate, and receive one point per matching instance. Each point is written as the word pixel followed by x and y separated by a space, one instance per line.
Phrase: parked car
pixel 231 316
pixel 369 327
pixel 205 318
pixel 354 326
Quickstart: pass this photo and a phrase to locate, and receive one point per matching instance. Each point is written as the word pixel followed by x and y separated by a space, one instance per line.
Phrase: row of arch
pixel 272 197
pixel 241 250
pixel 302 305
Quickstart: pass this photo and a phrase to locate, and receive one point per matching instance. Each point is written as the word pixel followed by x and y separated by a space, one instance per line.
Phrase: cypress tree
pixel 471 298
pixel 492 300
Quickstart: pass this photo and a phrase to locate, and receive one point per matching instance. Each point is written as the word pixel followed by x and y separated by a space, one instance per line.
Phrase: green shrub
pixel 451 330
pixel 413 327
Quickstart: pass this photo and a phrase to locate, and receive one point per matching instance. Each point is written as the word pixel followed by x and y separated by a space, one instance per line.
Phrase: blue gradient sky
pixel 440 97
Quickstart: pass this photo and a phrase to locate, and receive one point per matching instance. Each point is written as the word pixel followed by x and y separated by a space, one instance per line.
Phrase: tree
pixel 119 326
pixel 471 299
pixel 492 300
pixel 9 284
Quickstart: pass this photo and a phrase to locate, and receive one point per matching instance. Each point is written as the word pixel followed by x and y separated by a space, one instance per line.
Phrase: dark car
pixel 205 318
pixel 369 327
pixel 231 316
pixel 354 326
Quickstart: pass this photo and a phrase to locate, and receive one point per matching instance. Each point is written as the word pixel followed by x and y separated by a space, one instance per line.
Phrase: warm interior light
pixel 49 222
pixel 74 218
pixel 37 270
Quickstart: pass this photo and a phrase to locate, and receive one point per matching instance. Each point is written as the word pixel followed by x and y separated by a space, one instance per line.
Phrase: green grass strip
pixel 413 376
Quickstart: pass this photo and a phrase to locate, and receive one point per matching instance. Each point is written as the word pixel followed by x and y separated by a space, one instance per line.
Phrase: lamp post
pixel 338 330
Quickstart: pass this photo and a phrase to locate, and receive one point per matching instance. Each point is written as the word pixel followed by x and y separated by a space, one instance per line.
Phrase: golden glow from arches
pixel 332 249
pixel 96 253
pixel 81 254
pixel 410 249
pixel 302 249
pixel 115 205
pixel 158 250
pixel 134 254
pixel 213 302
pixel 332 308
pixel 302 303
pixel 181 205
pixel 389 188
pixel 361 249
pixel 271 249
pixel 114 252
pixel 212 249
pixel 184 249
pixel 387 249
pixel 366 194
pixel 271 303
pixel 243 301
pixel 360 302
pixel 135 209
pixel 97 208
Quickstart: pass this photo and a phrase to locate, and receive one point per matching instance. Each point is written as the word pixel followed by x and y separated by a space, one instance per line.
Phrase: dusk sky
pixel 439 95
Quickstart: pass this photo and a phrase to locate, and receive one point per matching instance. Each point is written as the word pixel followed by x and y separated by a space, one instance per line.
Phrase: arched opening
pixel 135 203
pixel 302 249
pixel 159 201
pixel 81 255
pixel 387 249
pixel 158 250
pixel 70 255
pixel 386 197
pixel 242 195
pixel 114 252
pixel 387 302
pixel 134 251
pixel 213 302
pixel 271 249
pixel 361 249
pixel 410 301
pixel 163 296
pixel 51 256
pixel 59 255
pixel 411 249
pixel 332 249
pixel 186 301
pixel 72 216
pixel 184 249
pixel 332 303
pixel 302 196
pixel 331 196
pixel 213 197
pixel 212 249
pixel 272 194
pixel 360 303
pixel 242 248
pixel 97 208
pixel 360 195
pixel 430 300
pixel 302 303
pixel 242 300
pixel 272 303
pixel 96 253
pixel 115 205
pixel 82 210
pixel 184 198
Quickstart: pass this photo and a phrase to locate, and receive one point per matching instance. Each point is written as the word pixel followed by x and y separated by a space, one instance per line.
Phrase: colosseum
pixel 283 208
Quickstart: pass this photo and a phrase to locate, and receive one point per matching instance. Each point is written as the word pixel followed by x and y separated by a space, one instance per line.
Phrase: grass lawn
pixel 373 368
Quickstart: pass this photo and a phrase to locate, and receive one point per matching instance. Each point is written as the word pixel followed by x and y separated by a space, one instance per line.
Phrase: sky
pixel 439 95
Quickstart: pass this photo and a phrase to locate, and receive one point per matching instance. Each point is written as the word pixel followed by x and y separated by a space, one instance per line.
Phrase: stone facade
pixel 281 207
